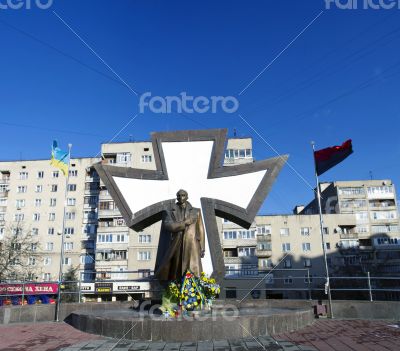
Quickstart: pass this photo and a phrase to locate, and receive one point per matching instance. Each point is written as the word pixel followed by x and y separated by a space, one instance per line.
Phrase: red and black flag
pixel 331 156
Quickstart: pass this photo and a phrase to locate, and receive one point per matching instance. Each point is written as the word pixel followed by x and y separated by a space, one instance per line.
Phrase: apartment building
pixel 361 228
pixel 32 198
pixel 374 240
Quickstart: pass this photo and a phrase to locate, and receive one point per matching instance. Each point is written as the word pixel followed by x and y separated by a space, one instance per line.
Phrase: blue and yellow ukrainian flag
pixel 59 158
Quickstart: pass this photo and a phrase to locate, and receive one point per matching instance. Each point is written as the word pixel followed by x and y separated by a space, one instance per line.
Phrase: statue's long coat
pixel 185 243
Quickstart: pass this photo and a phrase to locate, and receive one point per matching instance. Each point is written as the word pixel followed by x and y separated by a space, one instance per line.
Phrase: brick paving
pixel 323 335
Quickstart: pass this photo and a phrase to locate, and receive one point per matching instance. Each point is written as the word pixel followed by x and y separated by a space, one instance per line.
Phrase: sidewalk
pixel 323 335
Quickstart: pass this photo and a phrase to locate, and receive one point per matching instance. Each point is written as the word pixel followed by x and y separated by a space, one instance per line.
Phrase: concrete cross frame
pixel 142 217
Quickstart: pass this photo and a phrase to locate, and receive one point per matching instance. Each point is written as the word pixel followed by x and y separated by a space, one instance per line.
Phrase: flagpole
pixel 321 225
pixel 60 272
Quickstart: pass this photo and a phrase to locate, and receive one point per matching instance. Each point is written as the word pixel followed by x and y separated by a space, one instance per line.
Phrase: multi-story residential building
pixel 32 197
pixel 373 241
pixel 284 252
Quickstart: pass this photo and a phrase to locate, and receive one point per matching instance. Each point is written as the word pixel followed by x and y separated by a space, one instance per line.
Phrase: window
pixel 146 158
pixel 306 247
pixel 33 247
pixel 69 231
pixel 89 229
pixel 20 203
pixel 327 246
pixel 264 246
pixel 71 201
pixel 124 157
pixel 307 262
pixel 378 215
pixel 73 173
pixel 246 251
pixel 36 217
pixel 39 188
pixel 285 247
pixel 104 238
pixel 91 200
pixel 3 201
pixel 121 238
pixel 264 229
pixel 288 280
pixel 305 231
pixel 46 277
pixel 380 190
pixel 70 215
pixel 54 188
pixel 67 261
pixel 53 202
pixel 144 256
pixel 38 202
pixel 22 189
pixel 325 230
pixel 49 246
pixel 52 216
pixel 32 261
pixel 265 263
pixel 23 175
pixel 351 191
pixel 40 175
pixel 50 231
pixel 55 174
pixel 287 263
pixel 144 273
pixel 119 222
pixel 68 246
pixel 388 228
pixel 106 205
pixel 71 187
pixel 85 259
pixel 284 231
pixel 47 261
pixel 19 217
pixel 144 238
pixel 230 235
pixel 247 234
pixel 35 231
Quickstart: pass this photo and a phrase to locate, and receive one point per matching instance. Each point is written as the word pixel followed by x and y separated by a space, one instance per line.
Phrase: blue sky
pixel 338 80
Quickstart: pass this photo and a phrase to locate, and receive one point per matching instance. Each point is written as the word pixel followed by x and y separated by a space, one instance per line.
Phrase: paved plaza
pixel 324 335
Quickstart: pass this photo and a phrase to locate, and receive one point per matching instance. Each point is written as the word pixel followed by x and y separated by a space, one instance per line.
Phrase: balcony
pixel 263 253
pixel 109 213
pixel 92 179
pixel 264 237
pixel 352 235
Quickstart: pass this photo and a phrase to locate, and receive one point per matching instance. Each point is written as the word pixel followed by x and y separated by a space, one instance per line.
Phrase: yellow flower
pixel 186 298
pixel 195 303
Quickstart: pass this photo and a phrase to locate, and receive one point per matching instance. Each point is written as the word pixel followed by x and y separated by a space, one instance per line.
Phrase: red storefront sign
pixel 29 289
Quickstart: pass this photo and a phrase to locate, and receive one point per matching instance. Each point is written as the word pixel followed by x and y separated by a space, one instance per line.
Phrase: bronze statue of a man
pixel 186 248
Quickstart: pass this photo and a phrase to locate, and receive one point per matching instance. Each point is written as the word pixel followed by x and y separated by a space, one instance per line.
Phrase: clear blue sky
pixel 339 79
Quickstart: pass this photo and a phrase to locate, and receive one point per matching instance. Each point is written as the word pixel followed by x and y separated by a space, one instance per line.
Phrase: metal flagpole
pixel 321 225
pixel 60 273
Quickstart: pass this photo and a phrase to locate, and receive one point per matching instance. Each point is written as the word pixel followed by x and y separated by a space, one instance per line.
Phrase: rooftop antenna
pixel 130 137
pixel 371 175
pixel 234 133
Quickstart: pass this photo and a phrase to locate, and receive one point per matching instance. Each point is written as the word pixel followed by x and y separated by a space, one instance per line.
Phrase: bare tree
pixel 19 254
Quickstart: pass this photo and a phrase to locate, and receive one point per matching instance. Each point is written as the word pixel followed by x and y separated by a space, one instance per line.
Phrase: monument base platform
pixel 223 321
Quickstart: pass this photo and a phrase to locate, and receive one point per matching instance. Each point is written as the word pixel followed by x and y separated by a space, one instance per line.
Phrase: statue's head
pixel 181 196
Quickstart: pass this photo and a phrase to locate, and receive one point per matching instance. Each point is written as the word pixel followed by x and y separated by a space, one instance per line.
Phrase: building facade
pixel 361 227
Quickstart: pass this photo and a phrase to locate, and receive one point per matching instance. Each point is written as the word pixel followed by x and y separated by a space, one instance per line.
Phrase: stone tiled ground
pixel 324 335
